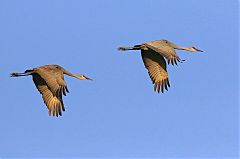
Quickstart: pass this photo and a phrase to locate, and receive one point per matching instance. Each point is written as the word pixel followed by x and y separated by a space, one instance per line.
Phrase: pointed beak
pixel 198 50
pixel 86 78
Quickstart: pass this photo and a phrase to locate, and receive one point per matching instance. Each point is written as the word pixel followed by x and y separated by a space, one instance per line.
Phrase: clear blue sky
pixel 119 114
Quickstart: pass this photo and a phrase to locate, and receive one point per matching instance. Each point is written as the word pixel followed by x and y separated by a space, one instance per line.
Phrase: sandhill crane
pixel 154 54
pixel 49 80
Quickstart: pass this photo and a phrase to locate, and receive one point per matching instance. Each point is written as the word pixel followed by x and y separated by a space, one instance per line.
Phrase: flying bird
pixel 49 80
pixel 154 54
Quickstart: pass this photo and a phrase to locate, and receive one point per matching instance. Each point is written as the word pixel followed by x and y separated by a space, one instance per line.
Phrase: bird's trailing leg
pixel 26 73
pixel 136 47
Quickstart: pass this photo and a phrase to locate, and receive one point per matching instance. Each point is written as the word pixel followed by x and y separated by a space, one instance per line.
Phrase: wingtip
pixel 162 86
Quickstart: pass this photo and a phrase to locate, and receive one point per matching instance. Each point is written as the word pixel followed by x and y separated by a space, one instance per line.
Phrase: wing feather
pixel 53 102
pixel 156 66
pixel 165 50
pixel 54 80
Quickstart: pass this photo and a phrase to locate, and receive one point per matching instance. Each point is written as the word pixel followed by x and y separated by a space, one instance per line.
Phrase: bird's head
pixel 193 49
pixel 83 77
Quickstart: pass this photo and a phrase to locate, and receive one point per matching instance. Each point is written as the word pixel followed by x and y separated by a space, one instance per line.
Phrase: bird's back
pixel 158 43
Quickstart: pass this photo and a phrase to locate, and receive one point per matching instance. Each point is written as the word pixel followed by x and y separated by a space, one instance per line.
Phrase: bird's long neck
pixel 183 48
pixel 70 74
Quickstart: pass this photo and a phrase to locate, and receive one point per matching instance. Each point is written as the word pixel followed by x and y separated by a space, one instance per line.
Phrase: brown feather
pixel 53 102
pixel 156 66
pixel 163 48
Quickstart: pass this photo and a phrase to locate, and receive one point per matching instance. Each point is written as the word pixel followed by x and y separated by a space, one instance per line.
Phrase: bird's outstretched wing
pixel 53 102
pixel 156 66
pixel 51 85
pixel 162 48
pixel 53 79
